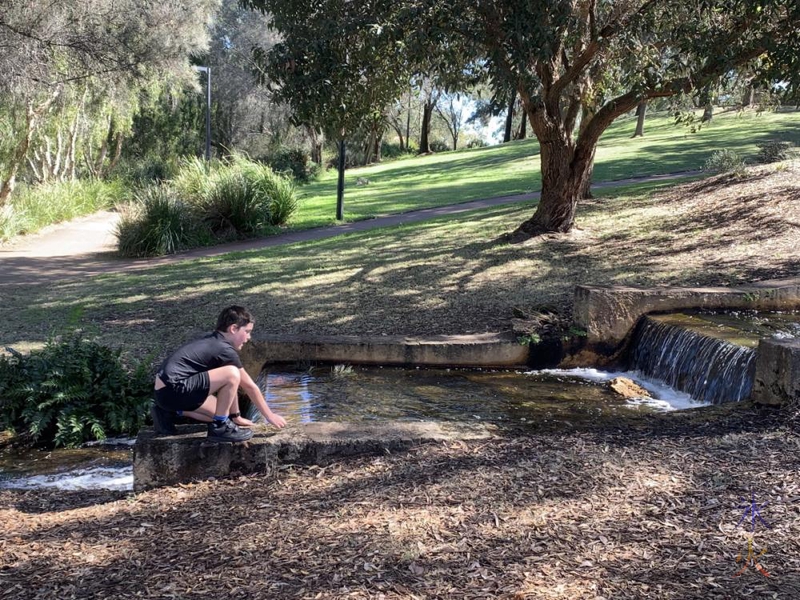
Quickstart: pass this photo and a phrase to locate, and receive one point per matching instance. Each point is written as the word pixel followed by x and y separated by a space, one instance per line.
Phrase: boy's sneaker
pixel 227 431
pixel 163 420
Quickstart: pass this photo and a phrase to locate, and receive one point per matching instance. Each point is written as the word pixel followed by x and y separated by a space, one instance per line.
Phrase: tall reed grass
pixel 33 207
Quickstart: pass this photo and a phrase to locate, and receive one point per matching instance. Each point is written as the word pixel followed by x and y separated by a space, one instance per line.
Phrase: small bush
pixel 392 150
pixel 72 391
pixel 439 146
pixel 295 162
pixel 151 169
pixel 158 223
pixel 774 151
pixel 477 143
pixel 724 161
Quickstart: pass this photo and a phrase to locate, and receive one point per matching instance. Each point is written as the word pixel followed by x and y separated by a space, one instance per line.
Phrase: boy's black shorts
pixel 188 394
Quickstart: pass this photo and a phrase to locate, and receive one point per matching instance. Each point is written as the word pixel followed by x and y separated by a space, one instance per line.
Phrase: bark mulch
pixel 650 511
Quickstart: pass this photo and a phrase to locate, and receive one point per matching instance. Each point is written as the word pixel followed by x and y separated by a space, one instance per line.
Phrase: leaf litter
pixel 652 511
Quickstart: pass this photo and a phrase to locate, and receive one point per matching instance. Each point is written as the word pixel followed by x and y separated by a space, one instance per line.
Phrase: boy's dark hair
pixel 234 315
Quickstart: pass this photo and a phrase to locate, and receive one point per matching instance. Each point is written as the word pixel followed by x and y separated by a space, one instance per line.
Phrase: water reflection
pixel 374 393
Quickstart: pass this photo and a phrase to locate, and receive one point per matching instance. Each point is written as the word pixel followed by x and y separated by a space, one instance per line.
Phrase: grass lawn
pixel 509 169
pixel 444 276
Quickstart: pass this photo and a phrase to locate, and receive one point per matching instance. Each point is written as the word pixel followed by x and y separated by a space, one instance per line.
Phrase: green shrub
pixel 295 162
pixel 158 223
pixel 72 391
pixel 393 150
pixel 283 200
pixel 194 178
pixel 34 207
pixel 439 146
pixel 234 205
pixel 477 143
pixel 204 204
pixel 151 169
pixel 724 161
pixel 774 151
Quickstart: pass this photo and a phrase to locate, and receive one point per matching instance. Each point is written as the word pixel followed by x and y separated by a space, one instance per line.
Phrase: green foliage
pixel 477 143
pixel 392 150
pixel 72 391
pixel 724 161
pixel 34 207
pixel 775 150
pixel 206 204
pixel 273 196
pixel 233 206
pixel 157 223
pixel 147 170
pixel 528 338
pixel 439 146
pixel 295 162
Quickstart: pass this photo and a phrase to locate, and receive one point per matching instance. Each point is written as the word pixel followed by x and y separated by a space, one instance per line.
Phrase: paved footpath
pixel 85 247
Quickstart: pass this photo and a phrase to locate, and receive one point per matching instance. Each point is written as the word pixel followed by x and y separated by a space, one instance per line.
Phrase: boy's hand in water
pixel 276 420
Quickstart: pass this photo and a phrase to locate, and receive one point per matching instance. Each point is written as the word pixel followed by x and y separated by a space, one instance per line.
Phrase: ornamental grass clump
pixel 234 206
pixel 157 222
pixel 70 392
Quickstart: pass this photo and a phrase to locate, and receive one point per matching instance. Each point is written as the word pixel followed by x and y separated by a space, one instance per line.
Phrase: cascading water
pixel 709 369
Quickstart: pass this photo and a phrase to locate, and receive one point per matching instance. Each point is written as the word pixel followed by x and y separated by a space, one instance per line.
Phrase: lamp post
pixel 207 71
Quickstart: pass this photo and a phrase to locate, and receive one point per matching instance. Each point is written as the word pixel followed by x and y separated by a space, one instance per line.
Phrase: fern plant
pixel 72 391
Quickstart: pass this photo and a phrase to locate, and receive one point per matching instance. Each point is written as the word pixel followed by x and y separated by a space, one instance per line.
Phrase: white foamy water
pixel 93 478
pixel 664 397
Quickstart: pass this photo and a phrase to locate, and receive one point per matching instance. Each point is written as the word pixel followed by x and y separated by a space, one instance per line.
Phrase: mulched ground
pixel 650 511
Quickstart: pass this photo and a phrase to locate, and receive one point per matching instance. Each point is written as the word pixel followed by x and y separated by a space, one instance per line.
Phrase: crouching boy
pixel 201 380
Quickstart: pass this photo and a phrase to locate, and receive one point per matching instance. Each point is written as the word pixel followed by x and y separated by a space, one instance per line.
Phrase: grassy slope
pixel 446 275
pixel 452 177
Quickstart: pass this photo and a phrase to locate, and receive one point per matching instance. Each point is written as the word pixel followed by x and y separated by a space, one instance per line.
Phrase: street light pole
pixel 207 71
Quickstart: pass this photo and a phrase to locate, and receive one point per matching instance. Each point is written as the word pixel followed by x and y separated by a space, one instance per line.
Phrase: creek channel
pixel 682 360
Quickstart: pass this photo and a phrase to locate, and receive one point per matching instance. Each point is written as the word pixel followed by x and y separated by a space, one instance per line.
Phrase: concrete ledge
pixel 477 350
pixel 609 313
pixel 777 379
pixel 159 461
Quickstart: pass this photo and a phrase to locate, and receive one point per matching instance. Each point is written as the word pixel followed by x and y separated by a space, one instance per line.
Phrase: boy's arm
pixel 251 389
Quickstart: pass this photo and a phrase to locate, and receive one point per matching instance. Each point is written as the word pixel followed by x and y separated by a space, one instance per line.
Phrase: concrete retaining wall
pixel 609 313
pixel 159 461
pixel 777 379
pixel 478 350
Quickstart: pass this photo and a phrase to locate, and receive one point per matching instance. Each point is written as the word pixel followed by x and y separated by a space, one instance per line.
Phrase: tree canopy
pixel 73 72
pixel 577 65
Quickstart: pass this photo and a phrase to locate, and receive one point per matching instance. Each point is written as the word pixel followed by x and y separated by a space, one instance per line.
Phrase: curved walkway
pixel 85 247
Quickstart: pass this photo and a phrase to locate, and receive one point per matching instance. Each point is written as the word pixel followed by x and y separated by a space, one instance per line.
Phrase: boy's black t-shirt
pixel 208 352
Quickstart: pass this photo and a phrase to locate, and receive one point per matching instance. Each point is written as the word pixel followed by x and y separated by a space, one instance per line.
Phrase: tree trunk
pixel 562 185
pixel 522 131
pixel 427 113
pixel 708 113
pixel 749 95
pixel 378 143
pixel 509 118
pixel 369 146
pixel 117 152
pixel 408 120
pixel 340 182
pixel 640 111
pixel 20 152
pixel 316 144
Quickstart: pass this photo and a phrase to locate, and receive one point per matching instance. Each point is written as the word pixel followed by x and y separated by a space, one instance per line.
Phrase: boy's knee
pixel 232 375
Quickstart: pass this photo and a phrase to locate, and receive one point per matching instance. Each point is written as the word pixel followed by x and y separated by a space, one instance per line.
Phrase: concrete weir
pixel 473 350
pixel 608 314
pixel 188 456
